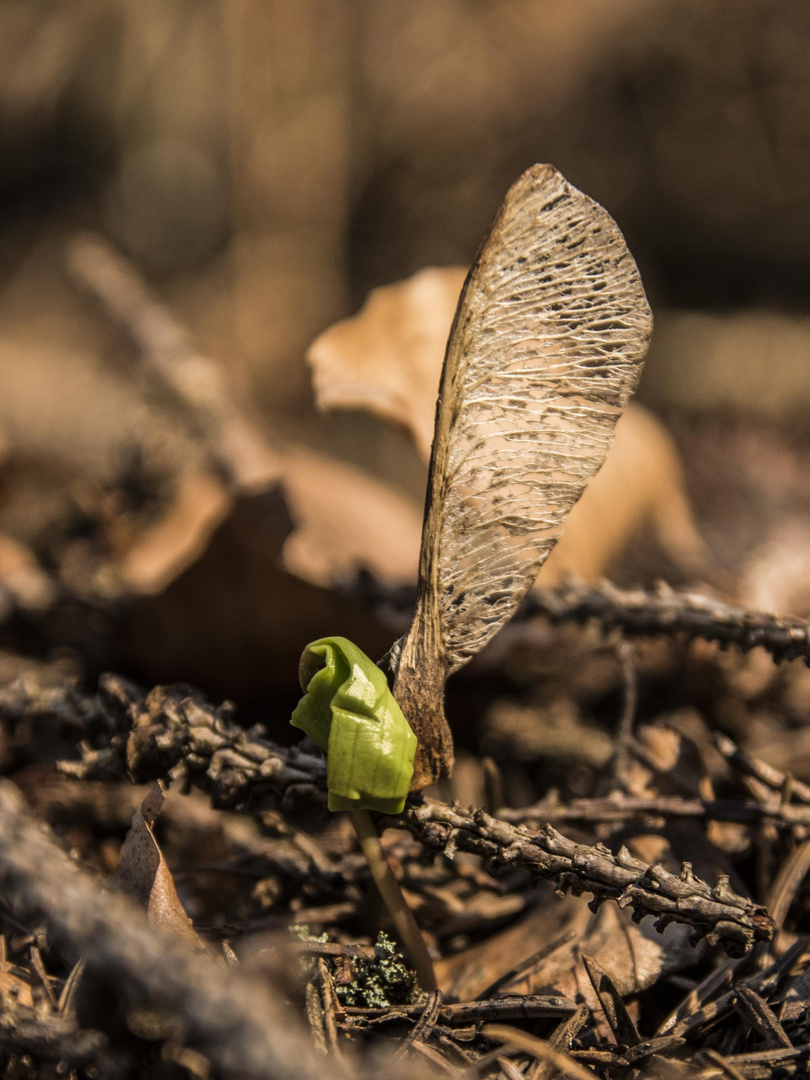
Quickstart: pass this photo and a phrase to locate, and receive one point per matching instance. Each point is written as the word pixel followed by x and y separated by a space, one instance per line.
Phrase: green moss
pixel 381 981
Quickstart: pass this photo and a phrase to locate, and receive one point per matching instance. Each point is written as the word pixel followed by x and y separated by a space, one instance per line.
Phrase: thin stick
pixel 539 1049
pixel 169 359
pixel 395 902
pixel 733 921
pixel 625 654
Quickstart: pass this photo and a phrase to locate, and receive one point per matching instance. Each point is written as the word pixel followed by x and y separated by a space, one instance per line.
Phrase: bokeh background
pixel 264 164
pixel 267 163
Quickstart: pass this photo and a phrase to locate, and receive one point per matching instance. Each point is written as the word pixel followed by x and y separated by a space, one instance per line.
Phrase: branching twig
pixel 642 613
pixel 718 913
pixel 638 613
pixel 620 809
pixel 760 770
pixel 173 732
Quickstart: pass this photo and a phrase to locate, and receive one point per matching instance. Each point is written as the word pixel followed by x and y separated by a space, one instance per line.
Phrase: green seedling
pixel 349 711
pixel 545 350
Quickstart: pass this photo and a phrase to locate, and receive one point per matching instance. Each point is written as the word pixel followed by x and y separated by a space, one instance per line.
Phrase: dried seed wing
pixel 546 348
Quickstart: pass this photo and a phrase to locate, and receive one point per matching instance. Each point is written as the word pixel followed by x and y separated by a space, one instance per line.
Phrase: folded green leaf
pixel 351 714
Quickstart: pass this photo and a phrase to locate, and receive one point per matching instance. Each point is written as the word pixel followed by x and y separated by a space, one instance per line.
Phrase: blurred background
pixel 261 165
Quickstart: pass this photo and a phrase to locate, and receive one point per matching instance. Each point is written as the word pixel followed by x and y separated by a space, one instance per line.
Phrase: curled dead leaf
pixel 143 874
pixel 387 359
pixel 149 561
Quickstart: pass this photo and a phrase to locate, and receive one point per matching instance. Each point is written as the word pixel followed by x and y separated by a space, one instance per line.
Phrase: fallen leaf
pixel 264 527
pixel 387 360
pixel 142 872
pixel 14 991
pixel 776 575
pixel 236 617
pixel 22 576
pixel 345 521
pixel 153 558
pixel 640 482
pixel 635 956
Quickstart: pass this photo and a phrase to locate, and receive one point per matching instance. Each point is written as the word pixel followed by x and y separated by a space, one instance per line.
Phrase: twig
pixel 313 1006
pixel 616 1014
pixel 508 1070
pixel 563 1036
pixel 763 982
pixel 725 1067
pixel 641 613
pixel 764 1065
pixel 749 765
pixel 718 913
pixel 38 966
pixel 625 653
pixel 332 948
pixel 761 1017
pixel 539 1049
pixel 516 1007
pixel 168 355
pixel 785 886
pixel 174 732
pixel 329 1004
pixel 423 1026
pixel 619 809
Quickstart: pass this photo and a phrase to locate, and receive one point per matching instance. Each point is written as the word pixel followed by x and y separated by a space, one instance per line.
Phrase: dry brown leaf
pixel 142 872
pixel 336 519
pixel 387 359
pixel 263 582
pixel 641 481
pixel 14 991
pixel 346 520
pixel 236 617
pixel 545 350
pixel 776 575
pixel 157 555
pixel 636 956
pixel 21 575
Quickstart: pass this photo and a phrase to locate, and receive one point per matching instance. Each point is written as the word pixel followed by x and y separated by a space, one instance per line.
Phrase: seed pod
pixel 351 714
pixel 545 350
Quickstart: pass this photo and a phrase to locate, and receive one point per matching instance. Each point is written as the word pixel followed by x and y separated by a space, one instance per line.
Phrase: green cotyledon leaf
pixel 352 715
